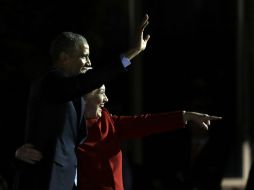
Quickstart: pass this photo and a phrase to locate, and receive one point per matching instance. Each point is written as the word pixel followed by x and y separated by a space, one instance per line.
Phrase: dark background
pixel 190 63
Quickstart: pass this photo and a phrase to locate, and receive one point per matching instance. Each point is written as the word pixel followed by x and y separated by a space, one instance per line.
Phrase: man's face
pixel 95 101
pixel 78 61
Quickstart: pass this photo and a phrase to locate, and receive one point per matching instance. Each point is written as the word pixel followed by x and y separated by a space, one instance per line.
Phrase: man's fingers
pixel 145 19
pixel 205 125
pixel 207 122
pixel 34 154
pixel 28 153
pixel 29 161
pixel 147 38
pixel 144 23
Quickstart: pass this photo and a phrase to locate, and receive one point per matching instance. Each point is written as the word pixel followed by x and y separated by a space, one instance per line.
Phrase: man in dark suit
pixel 56 109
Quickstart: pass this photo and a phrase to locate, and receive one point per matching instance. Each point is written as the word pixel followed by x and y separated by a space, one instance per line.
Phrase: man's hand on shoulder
pixel 27 153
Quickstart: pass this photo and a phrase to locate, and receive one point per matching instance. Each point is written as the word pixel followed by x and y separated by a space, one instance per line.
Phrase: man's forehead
pixel 85 46
pixel 84 49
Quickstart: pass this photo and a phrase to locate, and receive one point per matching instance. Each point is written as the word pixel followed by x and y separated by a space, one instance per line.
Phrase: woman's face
pixel 95 101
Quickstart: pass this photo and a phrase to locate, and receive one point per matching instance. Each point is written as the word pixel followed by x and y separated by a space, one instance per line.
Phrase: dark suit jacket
pixel 55 112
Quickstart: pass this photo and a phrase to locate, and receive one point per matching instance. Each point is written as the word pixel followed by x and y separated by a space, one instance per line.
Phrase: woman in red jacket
pixel 100 156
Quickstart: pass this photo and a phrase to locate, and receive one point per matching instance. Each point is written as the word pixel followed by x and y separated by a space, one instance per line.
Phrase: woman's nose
pixel 105 98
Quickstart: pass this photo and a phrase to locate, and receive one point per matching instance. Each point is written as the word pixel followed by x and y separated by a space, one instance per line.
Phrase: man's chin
pixel 84 70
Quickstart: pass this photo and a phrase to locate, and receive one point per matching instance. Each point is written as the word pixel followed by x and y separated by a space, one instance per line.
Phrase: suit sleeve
pixel 147 124
pixel 57 87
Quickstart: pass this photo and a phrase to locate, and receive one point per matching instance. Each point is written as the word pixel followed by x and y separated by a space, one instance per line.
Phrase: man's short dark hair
pixel 66 42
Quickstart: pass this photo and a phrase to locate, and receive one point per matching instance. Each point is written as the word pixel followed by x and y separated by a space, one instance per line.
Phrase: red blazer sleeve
pixel 146 124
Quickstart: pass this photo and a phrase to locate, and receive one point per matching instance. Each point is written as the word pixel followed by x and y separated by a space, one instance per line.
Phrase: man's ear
pixel 64 57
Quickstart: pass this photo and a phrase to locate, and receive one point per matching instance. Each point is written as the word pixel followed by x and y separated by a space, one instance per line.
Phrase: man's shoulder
pixel 47 75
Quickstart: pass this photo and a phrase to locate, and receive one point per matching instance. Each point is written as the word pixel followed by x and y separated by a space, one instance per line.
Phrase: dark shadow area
pixel 190 64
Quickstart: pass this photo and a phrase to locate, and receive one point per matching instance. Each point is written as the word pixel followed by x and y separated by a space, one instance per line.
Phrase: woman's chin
pixel 98 113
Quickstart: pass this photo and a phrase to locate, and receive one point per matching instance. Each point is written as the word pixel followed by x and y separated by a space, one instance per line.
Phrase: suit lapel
pixel 81 130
